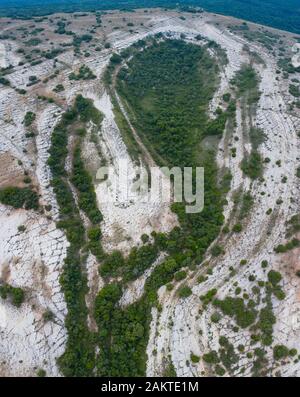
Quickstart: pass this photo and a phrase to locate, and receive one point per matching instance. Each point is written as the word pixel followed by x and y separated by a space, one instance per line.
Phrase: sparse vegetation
pixel 282 248
pixel 84 73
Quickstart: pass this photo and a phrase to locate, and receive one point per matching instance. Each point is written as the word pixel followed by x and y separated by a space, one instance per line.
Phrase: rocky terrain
pixel 37 57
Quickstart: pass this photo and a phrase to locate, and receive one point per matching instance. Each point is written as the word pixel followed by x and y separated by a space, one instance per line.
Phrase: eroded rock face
pixel 32 258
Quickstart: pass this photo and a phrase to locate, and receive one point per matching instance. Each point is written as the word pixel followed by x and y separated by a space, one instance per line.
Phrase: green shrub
pixel 112 264
pixel 84 73
pixel 217 250
pixel 29 118
pixel 294 90
pixel 194 359
pixel 252 165
pixel 274 277
pixel 19 197
pixel 145 238
pixel 293 352
pixel 116 59
pixel 266 321
pixel 202 278
pixel 247 204
pixel 59 88
pixel 280 352
pixel 211 357
pixel 215 317
pixel 280 295
pixel 208 297
pixel 180 275
pixel 241 348
pixel 235 307
pixel 264 264
pixel 41 373
pixel 287 247
pixel 48 315
pixel 237 228
pixel 219 370
pixel 184 292
pixel 227 97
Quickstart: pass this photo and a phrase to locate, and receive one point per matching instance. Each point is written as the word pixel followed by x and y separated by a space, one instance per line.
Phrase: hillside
pixel 113 276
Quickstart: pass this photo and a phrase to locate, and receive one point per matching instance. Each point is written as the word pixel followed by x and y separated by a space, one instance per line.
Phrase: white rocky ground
pixel 125 216
pixel 7 54
pixel 296 57
pixel 33 259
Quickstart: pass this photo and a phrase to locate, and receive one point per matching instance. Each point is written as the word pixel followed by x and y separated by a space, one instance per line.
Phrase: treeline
pixel 276 13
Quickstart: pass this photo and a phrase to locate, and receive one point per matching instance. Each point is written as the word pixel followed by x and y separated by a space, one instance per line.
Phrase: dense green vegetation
pixel 122 334
pixel 19 197
pixel 15 294
pixel 78 359
pixel 82 180
pixel 281 14
pixel 280 352
pixel 133 266
pixel 158 97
